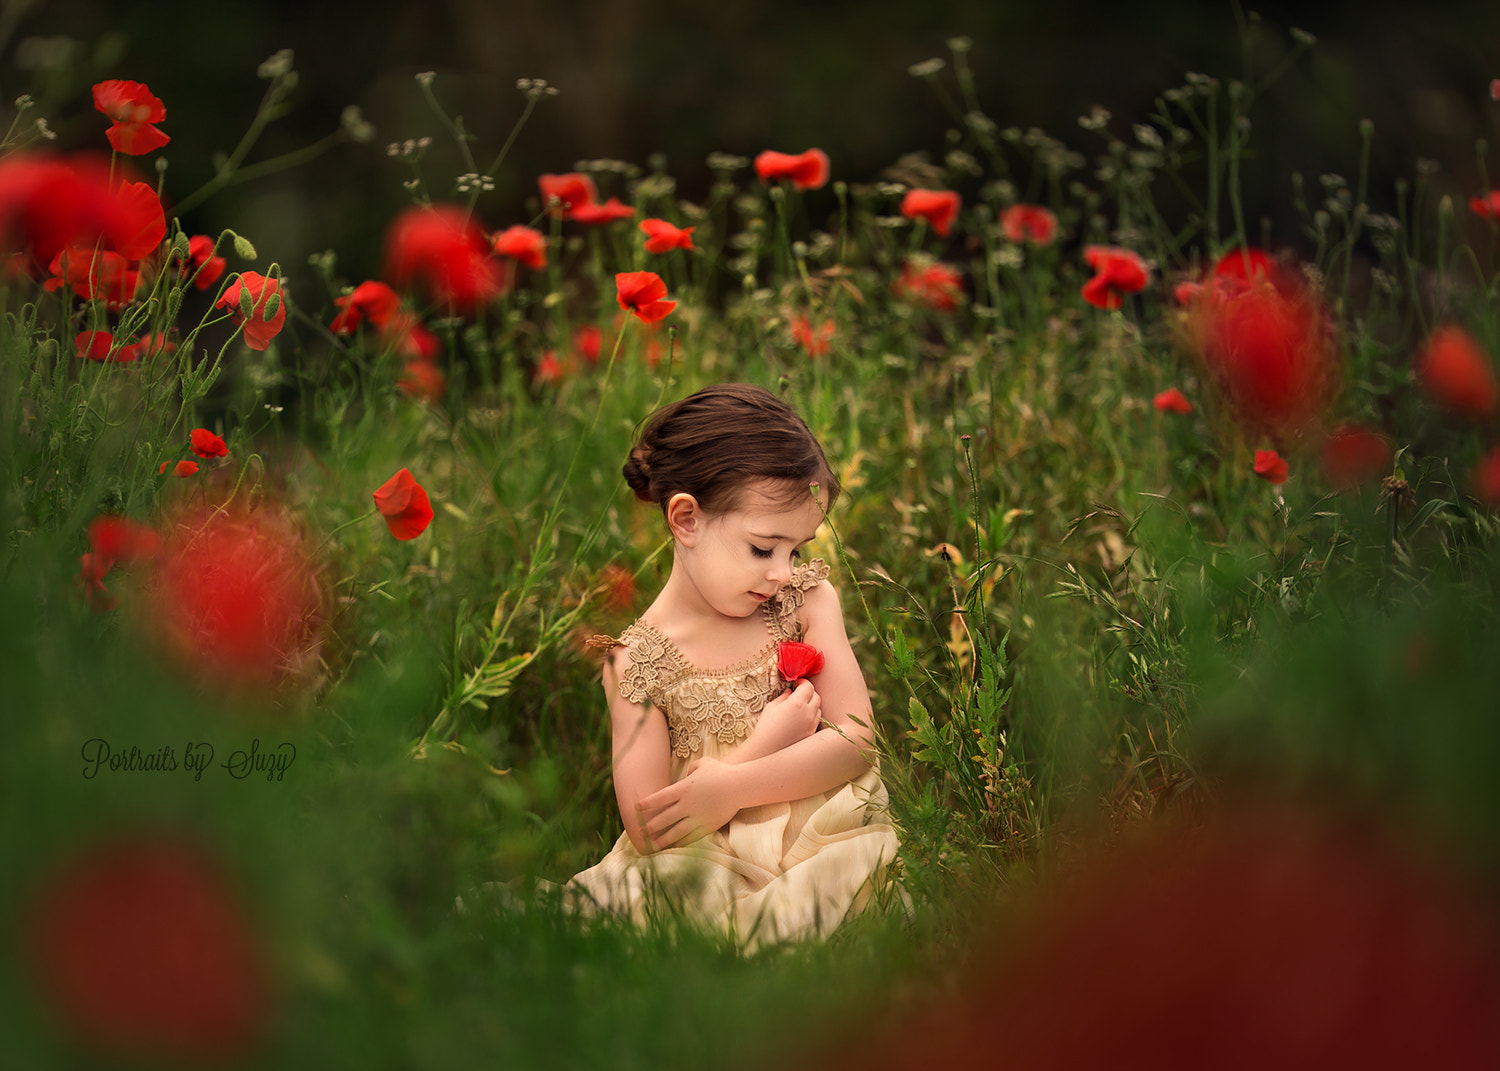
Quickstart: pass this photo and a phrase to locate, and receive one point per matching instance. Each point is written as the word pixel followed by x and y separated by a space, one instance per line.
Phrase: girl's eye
pixel 760 552
pixel 797 555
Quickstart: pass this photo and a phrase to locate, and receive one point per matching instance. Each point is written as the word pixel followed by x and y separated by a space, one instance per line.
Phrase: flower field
pixel 1168 547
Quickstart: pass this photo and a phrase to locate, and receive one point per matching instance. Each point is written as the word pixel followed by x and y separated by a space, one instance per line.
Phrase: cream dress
pixel 774 872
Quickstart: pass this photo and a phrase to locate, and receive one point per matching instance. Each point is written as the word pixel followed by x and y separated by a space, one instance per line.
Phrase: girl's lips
pixel 759 597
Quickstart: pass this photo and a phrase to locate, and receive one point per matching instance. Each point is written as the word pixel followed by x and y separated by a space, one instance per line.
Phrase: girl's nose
pixel 780 572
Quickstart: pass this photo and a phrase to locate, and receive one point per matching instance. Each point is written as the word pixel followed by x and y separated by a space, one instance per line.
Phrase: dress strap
pixel 781 610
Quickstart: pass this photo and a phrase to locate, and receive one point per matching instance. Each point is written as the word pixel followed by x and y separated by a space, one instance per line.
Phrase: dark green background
pixel 688 78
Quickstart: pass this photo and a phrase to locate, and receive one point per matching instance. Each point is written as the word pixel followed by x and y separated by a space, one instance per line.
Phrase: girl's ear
pixel 684 518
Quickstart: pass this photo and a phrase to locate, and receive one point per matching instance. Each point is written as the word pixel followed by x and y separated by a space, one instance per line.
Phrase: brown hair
pixel 710 444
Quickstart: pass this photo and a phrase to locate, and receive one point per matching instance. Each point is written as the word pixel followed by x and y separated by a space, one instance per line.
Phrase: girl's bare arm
pixel 641 750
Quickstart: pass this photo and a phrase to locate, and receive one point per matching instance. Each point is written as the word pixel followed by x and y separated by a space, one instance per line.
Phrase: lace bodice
pixel 722 704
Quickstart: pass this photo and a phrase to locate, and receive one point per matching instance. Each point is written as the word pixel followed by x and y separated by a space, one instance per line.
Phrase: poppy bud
pixel 243 247
pixel 247 303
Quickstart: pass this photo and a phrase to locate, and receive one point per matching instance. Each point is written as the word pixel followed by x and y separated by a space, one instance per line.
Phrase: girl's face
pixel 739 559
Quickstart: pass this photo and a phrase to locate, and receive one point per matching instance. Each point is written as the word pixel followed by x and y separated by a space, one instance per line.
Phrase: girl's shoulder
pixel 787 605
pixel 642 659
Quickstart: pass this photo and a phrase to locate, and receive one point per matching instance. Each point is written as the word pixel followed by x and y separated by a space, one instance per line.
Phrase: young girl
pixel 750 802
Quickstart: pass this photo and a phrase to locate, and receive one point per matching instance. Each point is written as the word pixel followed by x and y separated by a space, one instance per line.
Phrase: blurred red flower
pixel 570 192
pixel 408 338
pixel 118 540
pixel 94 274
pixel 1486 207
pixel 205 268
pixel 525 245
pixel 133 108
pixel 1353 455
pixel 663 237
pixel 146 346
pixel 1172 400
pixel 371 300
pixel 142 950
pixel 95 345
pixel 442 249
pixel 618 586
pixel 643 293
pixel 938 207
pixel 929 283
pixel 208 445
pixel 1261 941
pixel 608 212
pixel 548 369
pixel 814 339
pixel 1485 480
pixel 48 204
pixel 235 598
pixel 261 327
pixel 423 380
pixel 1268 349
pixel 805 170
pixel 1117 272
pixel 404 504
pixel 184 468
pixel 1270 466
pixel 588 342
pixel 796 661
pixel 1457 373
pixel 91 576
pixel 1029 223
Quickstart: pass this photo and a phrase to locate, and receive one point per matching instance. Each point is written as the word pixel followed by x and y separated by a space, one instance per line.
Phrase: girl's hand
pixel 794 715
pixel 690 809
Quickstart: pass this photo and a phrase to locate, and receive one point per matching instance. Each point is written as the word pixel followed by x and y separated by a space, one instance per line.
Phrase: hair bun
pixel 637 470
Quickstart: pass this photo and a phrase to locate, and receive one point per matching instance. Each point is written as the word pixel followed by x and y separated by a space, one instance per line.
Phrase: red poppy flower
pixel 937 286
pixel 443 250
pixel 1029 223
pixel 91 585
pixel 1268 350
pixel 139 944
pixel 588 342
pixel 260 328
pixel 1455 371
pixel 95 345
pixel 1486 207
pixel 48 204
pixel 938 207
pixel 643 293
pixel 1486 479
pixel 405 505
pixel 797 661
pixel 548 369
pixel 423 381
pixel 814 340
pixel 1117 272
pixel 118 540
pixel 608 212
pixel 525 245
pixel 371 300
pixel 205 268
pixel 236 599
pixel 133 108
pixel 207 445
pixel 407 338
pixel 184 468
pixel 94 274
pixel 805 170
pixel 1262 940
pixel 1353 455
pixel 570 192
pixel 146 346
pixel 1270 466
pixel 663 237
pixel 618 585
pixel 1247 263
pixel 1172 400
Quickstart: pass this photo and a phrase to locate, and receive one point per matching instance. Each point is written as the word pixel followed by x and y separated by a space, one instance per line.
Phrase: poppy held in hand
pixel 797 661
pixel 141 948
pixel 805 170
pixel 1117 272
pixel 663 237
pixel 1456 372
pixel 643 293
pixel 938 207
pixel 266 311
pixel 133 108
pixel 405 505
